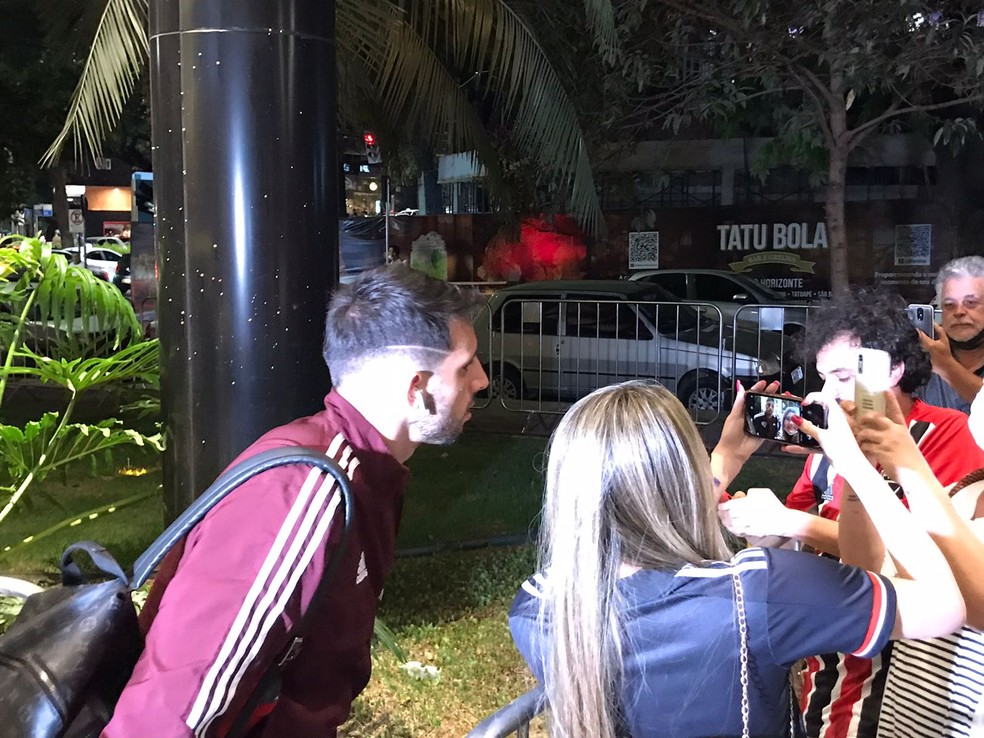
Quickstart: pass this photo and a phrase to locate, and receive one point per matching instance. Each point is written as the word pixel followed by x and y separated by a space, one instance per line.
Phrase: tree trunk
pixel 836 222
pixel 59 201
pixel 834 210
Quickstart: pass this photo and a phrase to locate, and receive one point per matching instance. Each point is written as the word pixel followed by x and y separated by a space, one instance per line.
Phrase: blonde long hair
pixel 628 480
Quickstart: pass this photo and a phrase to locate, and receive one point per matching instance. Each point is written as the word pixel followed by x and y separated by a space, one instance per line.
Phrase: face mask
pixel 976 420
pixel 970 344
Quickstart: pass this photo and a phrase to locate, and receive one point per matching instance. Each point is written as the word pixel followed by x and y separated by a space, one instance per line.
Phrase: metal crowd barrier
pixel 788 323
pixel 542 355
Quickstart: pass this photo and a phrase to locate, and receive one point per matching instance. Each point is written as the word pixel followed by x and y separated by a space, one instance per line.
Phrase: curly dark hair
pixel 878 319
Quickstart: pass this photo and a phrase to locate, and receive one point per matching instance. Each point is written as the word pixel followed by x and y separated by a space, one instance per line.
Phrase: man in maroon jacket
pixel 401 350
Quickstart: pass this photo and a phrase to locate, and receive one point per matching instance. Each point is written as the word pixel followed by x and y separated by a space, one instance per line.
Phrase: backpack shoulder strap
pixel 144 566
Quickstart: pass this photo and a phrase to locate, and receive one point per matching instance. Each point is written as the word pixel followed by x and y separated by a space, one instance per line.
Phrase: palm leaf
pixel 601 20
pixel 388 640
pixel 115 62
pixel 486 36
pixel 72 311
pixel 406 73
pixel 408 64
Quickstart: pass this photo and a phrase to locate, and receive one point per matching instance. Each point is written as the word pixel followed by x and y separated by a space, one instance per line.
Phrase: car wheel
pixel 700 393
pixel 508 385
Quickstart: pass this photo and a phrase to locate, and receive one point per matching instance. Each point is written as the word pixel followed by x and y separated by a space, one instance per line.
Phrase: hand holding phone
pixel 873 379
pixel 769 417
pixel 922 317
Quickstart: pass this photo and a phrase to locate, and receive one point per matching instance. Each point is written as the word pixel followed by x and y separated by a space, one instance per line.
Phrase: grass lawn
pixel 448 609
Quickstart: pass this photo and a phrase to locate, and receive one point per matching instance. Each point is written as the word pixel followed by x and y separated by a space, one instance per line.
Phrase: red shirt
pixel 943 437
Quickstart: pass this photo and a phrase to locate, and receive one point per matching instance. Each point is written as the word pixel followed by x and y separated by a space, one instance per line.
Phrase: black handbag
pixel 67 657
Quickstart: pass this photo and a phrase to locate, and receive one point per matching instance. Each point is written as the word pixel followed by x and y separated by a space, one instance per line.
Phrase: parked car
pixel 108 242
pixel 730 292
pixel 567 338
pixel 102 261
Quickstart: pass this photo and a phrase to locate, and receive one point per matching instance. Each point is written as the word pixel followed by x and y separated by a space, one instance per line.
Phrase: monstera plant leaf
pixel 48 443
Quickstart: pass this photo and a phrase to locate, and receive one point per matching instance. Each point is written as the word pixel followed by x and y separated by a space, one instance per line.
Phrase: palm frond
pixel 409 62
pixel 47 443
pixel 413 86
pixel 487 37
pixel 115 62
pixel 601 20
pixel 82 518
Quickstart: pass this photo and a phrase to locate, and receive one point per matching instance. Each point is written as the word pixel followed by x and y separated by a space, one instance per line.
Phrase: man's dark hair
pixel 392 306
pixel 878 319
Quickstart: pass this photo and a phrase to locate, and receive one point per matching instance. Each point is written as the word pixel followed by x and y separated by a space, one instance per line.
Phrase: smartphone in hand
pixel 769 417
pixel 873 379
pixel 922 318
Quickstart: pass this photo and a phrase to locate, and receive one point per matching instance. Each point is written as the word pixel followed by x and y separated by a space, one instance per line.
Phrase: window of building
pixel 659 189
pixel 784 184
pixel 465 197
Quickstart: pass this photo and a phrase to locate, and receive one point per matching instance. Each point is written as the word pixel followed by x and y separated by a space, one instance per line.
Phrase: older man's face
pixel 962 301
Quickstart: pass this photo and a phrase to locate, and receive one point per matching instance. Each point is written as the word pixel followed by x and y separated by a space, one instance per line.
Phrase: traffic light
pixel 372 148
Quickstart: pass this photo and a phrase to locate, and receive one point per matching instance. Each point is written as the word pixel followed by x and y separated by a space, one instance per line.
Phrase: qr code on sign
pixel 913 245
pixel 644 250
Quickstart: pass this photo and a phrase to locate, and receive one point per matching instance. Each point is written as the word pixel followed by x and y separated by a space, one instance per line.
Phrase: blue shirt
pixel 937 392
pixel 681 652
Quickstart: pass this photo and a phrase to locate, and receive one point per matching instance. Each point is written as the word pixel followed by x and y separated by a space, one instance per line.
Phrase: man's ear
pixel 417 386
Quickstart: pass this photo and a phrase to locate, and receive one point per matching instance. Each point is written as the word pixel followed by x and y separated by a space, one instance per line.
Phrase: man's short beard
pixel 436 430
pixel 971 344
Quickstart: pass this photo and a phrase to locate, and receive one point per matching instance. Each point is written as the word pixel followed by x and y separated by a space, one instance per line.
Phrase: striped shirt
pixel 935 688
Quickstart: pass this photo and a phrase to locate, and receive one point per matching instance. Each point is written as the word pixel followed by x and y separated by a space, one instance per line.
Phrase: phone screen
pixel 770 417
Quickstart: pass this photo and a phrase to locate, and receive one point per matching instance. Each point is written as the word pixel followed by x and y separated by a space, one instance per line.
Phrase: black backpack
pixel 67 657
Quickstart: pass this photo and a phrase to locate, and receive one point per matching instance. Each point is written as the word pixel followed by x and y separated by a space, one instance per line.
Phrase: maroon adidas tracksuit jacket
pixel 223 604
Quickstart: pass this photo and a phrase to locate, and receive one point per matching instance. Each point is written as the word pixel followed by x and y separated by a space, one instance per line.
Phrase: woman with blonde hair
pixel 642 622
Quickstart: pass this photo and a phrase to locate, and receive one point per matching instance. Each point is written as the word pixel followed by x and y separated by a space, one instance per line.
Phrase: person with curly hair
pixel 842 693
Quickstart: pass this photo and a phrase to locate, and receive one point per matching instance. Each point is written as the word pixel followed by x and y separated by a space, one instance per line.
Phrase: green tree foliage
pixel 821 76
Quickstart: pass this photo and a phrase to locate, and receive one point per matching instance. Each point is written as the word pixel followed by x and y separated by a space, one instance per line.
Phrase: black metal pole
pixel 245 178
